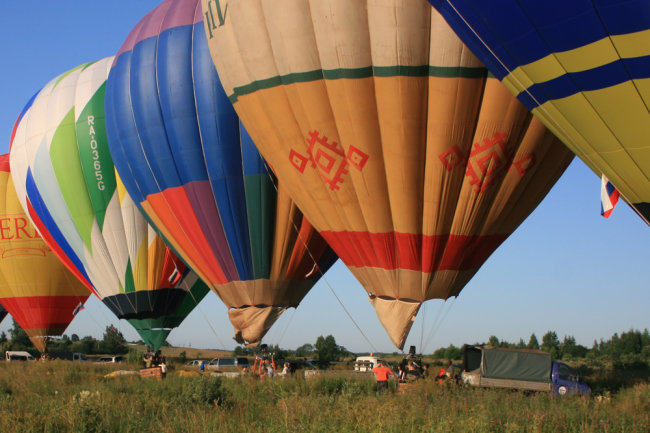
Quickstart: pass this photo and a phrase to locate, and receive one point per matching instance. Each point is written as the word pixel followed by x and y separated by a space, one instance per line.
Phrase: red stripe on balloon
pixel 171 207
pixel 412 251
pixel 42 312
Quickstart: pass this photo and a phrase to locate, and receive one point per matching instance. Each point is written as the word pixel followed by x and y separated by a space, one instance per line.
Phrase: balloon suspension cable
pixel 318 269
pixel 198 307
pixel 540 107
pixel 286 327
pixel 440 317
pixel 423 315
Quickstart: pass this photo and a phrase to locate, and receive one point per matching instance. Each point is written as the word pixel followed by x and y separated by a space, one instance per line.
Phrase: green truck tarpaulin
pixel 510 364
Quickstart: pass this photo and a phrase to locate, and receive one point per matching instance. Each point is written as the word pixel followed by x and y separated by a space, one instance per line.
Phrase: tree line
pixel 629 347
pixel 113 342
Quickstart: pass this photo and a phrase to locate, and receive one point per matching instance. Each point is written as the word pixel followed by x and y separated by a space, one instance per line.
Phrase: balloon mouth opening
pixel 391 298
pixel 142 315
pixel 240 307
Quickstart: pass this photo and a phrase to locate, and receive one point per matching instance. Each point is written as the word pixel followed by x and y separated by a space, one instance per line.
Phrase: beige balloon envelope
pixel 412 162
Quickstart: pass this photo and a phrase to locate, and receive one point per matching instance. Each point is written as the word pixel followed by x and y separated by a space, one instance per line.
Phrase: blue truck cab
pixel 565 381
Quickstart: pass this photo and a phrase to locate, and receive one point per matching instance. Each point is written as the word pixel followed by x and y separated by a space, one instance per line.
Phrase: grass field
pixel 61 396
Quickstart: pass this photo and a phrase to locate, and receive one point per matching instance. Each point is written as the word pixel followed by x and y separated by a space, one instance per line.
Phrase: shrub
pixel 204 389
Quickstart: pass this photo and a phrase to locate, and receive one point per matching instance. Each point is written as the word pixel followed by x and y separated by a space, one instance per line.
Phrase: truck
pixel 523 369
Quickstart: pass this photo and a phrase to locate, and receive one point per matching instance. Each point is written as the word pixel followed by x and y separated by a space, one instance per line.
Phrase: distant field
pixel 62 396
pixel 190 353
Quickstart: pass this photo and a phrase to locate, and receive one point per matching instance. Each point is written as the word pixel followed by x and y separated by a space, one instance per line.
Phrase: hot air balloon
pixel 178 146
pixel 3 313
pixel 35 287
pixel 66 181
pixel 411 161
pixel 582 68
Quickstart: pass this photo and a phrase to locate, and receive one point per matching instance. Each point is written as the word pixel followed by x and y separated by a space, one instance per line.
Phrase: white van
pixel 366 363
pixel 18 355
pixel 227 363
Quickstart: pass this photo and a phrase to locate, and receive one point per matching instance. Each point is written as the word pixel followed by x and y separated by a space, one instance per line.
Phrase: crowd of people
pixel 265 367
pixel 410 369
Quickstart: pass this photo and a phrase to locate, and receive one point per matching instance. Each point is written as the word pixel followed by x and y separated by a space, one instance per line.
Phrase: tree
pixel 551 344
pixel 569 348
pixel 532 342
pixel 113 342
pixel 19 338
pixel 277 352
pixel 74 338
pixel 645 338
pixel 440 353
pixel 631 342
pixel 453 352
pixel 85 345
pixel 305 350
pixel 493 341
pixel 326 350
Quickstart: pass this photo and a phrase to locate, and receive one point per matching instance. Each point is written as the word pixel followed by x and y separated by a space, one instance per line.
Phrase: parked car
pixel 114 359
pixel 227 363
pixel 195 362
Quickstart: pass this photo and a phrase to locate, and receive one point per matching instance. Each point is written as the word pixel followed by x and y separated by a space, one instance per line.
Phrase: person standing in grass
pixel 286 370
pixel 382 372
pixel 270 368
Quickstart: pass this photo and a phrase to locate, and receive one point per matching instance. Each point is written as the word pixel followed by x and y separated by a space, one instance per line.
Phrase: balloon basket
pixel 153 372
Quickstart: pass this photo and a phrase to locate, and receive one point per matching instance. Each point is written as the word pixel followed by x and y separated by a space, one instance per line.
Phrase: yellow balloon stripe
pixel 590 56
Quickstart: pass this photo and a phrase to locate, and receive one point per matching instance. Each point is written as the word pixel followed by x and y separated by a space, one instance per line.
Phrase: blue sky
pixel 565 269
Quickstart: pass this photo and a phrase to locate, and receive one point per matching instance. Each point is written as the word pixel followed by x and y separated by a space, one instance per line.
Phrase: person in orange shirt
pixel 382 372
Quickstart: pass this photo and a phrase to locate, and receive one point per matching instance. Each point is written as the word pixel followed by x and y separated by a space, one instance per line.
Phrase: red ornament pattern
pixel 328 158
pixel 488 161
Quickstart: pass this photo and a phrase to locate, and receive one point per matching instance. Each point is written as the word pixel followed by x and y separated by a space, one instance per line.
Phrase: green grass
pixel 70 397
